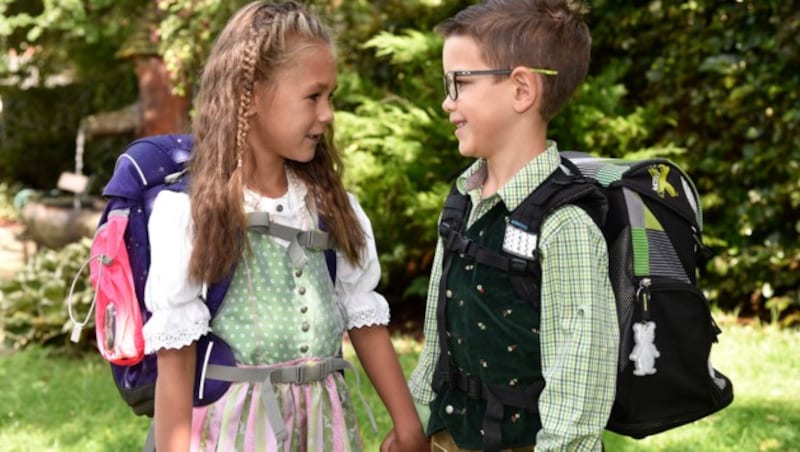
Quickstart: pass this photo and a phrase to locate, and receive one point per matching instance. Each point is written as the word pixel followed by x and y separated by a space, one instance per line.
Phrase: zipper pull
pixel 643 295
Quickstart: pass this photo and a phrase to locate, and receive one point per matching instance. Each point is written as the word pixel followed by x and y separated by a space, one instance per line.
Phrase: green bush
pixel 33 305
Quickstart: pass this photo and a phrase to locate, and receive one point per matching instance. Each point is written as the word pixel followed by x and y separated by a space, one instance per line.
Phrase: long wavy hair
pixel 256 42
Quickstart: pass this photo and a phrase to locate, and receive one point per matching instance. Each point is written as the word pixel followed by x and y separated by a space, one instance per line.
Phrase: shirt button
pixel 305 326
pixel 301 290
pixel 279 208
pixel 303 348
pixel 449 409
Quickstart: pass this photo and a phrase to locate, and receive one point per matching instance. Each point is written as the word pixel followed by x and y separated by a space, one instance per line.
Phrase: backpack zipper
pixel 643 295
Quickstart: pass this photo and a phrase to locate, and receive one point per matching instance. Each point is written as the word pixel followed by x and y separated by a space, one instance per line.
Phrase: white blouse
pixel 179 315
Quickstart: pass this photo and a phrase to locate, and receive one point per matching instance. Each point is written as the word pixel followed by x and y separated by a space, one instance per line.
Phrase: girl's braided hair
pixel 258 40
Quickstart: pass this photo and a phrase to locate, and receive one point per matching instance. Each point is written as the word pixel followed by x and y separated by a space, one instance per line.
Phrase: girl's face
pixel 292 113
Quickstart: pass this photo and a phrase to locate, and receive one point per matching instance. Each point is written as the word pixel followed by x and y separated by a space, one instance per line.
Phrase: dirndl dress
pixel 275 314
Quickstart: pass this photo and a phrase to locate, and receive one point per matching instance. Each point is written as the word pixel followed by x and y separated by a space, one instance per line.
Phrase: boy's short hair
pixel 549 34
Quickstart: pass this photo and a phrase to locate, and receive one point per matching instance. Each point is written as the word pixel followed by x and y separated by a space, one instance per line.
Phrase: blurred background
pixel 712 85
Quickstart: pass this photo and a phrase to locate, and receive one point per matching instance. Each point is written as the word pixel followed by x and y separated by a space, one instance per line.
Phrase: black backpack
pixel 655 245
pixel 650 215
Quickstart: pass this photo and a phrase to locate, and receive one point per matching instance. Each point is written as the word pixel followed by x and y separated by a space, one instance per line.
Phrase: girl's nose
pixel 326 112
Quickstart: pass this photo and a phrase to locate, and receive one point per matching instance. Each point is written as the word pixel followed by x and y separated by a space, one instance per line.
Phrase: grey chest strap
pixel 298 239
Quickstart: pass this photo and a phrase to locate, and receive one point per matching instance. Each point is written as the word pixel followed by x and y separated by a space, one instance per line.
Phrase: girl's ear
pixel 527 89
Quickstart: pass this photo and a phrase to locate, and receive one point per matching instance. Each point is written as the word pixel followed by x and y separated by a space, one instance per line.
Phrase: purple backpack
pixel 148 166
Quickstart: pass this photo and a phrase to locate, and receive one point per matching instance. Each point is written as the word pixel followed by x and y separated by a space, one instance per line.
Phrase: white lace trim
pixel 375 315
pixel 175 339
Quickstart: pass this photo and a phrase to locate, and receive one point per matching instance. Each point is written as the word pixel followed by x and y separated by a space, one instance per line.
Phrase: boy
pixel 516 375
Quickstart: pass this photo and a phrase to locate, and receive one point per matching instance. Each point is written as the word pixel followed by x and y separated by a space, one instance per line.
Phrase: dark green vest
pixel 492 336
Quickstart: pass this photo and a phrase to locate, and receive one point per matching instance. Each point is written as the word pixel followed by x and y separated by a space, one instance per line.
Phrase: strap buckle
pixel 517 265
pixel 474 387
pixel 456 242
pixel 313 240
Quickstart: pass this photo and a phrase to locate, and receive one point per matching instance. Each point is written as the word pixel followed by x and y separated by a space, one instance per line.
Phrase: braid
pixel 248 69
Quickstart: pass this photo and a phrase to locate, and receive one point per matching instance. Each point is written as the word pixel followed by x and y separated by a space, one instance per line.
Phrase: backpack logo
pixel 660 183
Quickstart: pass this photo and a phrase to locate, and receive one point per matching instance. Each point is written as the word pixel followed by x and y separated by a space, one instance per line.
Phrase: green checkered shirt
pixel 579 330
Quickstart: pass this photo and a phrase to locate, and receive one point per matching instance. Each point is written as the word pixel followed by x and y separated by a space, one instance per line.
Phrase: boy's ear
pixel 527 89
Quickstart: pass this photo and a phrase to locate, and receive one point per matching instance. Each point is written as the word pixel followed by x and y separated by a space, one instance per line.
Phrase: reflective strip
pixel 138 169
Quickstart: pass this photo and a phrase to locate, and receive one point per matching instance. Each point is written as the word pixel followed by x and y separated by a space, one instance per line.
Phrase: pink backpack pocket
pixel 118 317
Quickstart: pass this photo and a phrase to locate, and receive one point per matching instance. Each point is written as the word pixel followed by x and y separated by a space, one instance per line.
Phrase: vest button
pixel 449 409
pixel 301 290
pixel 298 273
pixel 448 293
pixel 304 309
pixel 303 348
pixel 305 327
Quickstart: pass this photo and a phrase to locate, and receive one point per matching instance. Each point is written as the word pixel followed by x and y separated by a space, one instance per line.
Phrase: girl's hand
pixel 412 441
pixel 388 442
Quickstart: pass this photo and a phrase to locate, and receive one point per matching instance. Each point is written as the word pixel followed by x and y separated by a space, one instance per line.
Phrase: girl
pixel 263 143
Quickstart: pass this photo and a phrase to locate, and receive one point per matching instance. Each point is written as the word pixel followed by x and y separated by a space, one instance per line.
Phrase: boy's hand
pixel 414 441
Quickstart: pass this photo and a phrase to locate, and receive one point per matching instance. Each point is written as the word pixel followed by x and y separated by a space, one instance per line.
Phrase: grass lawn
pixel 50 402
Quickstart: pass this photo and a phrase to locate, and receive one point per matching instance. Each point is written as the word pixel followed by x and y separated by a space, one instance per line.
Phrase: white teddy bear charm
pixel 644 352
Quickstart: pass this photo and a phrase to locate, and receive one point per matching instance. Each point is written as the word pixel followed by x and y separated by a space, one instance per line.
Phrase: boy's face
pixel 481 111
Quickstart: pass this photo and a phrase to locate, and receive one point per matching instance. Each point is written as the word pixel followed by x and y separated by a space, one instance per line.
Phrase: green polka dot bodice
pixel 273 312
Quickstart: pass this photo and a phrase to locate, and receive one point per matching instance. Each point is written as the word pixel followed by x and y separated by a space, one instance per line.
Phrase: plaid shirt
pixel 579 330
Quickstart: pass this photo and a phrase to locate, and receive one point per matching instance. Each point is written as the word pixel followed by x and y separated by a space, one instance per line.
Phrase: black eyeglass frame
pixel 451 78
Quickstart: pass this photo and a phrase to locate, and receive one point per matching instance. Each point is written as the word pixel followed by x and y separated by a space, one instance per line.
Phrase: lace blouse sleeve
pixel 179 314
pixel 355 284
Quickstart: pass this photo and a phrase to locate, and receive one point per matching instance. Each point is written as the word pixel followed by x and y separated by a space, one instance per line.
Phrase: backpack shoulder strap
pixel 456 207
pixel 558 190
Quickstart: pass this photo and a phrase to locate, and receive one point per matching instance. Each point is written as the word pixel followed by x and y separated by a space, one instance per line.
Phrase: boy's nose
pixel 448 104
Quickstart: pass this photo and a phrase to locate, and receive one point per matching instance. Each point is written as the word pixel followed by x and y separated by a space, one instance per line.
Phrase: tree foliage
pixel 721 81
pixel 710 84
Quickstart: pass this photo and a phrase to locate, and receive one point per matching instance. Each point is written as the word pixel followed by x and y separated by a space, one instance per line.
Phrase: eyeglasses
pixel 451 78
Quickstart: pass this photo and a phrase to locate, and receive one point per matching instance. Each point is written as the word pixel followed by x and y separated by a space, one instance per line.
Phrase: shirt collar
pixel 293 200
pixel 521 185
